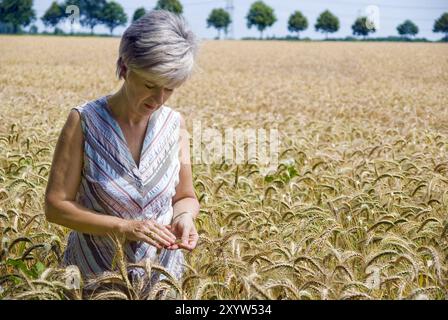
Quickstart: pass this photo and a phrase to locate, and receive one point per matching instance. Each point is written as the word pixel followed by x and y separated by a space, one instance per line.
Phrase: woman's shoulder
pixel 89 105
pixel 88 112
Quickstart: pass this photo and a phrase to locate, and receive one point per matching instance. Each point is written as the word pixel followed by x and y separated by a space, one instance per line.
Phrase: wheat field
pixel 357 207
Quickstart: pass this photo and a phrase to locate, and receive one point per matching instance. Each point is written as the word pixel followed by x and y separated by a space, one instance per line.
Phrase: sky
pixel 390 14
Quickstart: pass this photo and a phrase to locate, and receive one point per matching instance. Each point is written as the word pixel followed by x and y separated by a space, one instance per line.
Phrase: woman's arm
pixel 185 198
pixel 63 184
pixel 185 204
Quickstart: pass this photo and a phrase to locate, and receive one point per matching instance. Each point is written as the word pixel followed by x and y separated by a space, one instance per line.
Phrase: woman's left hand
pixel 185 231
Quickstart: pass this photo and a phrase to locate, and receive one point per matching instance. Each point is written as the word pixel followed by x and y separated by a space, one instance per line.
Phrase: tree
pixel 138 13
pixel 261 16
pixel 441 25
pixel 34 29
pixel 53 15
pixel 17 13
pixel 171 5
pixel 297 22
pixel 113 15
pixel 362 27
pixel 58 31
pixel 219 19
pixel 90 12
pixel 327 23
pixel 407 28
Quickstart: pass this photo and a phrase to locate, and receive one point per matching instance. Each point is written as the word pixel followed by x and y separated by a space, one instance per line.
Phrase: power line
pixel 229 9
pixel 183 4
pixel 381 5
pixel 202 2
pixel 356 15
pixel 321 1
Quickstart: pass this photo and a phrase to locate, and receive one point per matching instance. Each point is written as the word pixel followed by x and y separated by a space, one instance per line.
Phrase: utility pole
pixel 229 9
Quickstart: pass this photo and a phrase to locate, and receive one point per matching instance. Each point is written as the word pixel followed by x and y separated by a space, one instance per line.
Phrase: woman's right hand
pixel 149 231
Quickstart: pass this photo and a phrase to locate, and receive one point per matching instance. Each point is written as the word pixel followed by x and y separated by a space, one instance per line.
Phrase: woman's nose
pixel 159 96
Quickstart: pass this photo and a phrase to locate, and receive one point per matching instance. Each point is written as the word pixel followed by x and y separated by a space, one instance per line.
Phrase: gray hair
pixel 161 45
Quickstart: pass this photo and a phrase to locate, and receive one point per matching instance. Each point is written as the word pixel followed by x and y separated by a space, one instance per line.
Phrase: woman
pixel 121 165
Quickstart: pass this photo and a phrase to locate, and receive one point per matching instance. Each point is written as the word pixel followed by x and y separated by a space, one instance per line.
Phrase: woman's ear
pixel 124 71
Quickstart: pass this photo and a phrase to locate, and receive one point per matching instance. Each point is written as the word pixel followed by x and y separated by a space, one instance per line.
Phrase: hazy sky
pixel 391 13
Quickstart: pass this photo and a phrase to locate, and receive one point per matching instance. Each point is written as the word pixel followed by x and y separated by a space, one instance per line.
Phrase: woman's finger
pixel 185 235
pixel 173 247
pixel 145 238
pixel 183 246
pixel 152 233
pixel 194 240
pixel 162 233
pixel 168 232
pixel 186 245
pixel 164 229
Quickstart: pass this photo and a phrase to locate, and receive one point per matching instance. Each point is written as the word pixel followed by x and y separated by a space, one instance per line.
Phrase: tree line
pixel 15 14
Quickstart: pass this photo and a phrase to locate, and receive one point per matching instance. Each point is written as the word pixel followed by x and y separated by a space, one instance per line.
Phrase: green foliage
pixel 54 14
pixel 361 27
pixel 171 5
pixel 58 31
pixel 33 272
pixel 441 25
pixel 17 13
pixel 285 173
pixel 219 19
pixel 327 23
pixel 6 27
pixel 34 29
pixel 261 16
pixel 297 22
pixel 113 15
pixel 138 13
pixel 407 28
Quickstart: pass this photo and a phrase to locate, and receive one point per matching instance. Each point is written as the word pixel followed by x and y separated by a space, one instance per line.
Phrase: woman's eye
pixel 152 87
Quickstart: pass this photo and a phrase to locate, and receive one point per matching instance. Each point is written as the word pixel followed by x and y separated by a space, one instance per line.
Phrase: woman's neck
pixel 122 110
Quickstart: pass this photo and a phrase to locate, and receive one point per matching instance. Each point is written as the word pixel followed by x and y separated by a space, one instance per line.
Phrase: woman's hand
pixel 148 231
pixel 184 229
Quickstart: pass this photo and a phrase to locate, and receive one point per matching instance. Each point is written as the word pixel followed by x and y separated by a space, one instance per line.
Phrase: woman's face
pixel 143 94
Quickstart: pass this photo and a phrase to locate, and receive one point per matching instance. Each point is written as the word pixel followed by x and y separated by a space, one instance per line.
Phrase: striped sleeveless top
pixel 112 184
